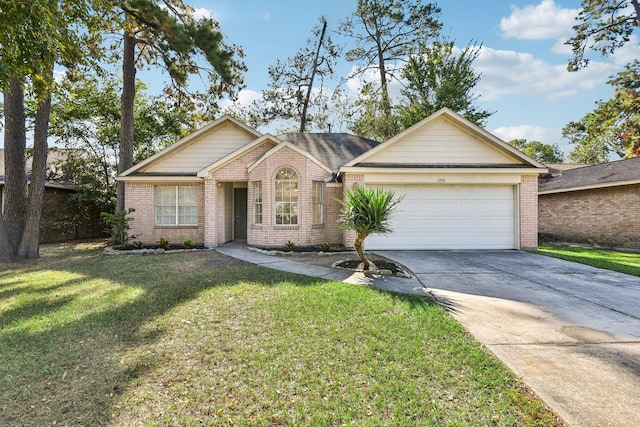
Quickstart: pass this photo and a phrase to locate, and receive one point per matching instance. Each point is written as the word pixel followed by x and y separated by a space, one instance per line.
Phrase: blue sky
pixel 523 58
pixel 522 61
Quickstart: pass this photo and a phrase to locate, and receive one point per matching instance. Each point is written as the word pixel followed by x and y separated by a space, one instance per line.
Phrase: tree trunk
pixel 386 101
pixel 303 118
pixel 30 243
pixel 125 154
pixel 636 8
pixel 358 244
pixel 15 186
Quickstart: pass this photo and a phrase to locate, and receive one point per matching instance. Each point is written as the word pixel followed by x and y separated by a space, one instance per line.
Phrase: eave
pixel 596 186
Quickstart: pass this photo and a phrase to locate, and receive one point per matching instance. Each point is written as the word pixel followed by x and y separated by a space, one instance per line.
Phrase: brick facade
pixel 305 233
pixel 259 160
pixel 604 216
pixel 215 222
pixel 528 194
pixel 140 196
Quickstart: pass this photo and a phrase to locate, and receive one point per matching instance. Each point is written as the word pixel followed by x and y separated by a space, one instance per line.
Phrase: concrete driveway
pixel 572 332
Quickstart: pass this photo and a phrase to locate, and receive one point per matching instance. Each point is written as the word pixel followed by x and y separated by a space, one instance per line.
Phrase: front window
pixel 176 205
pixel 318 202
pixel 257 202
pixel 286 200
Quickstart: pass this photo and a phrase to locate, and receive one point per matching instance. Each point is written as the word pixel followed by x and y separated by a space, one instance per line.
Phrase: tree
pixel 367 210
pixel 604 26
pixel 436 78
pixel 167 33
pixel 86 127
pixel 614 126
pixel 543 153
pixel 387 32
pixel 35 36
pixel 292 82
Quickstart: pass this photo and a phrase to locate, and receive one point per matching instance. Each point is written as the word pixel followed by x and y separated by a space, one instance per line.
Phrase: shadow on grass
pixel 69 369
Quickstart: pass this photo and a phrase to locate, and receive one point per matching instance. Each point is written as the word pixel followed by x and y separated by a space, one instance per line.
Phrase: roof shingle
pixel 333 149
pixel 604 173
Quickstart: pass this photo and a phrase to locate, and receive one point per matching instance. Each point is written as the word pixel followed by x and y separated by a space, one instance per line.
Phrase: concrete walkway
pixel 387 283
pixel 572 332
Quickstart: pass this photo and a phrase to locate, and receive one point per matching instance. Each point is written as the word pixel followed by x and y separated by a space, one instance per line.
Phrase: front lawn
pixel 620 261
pixel 201 339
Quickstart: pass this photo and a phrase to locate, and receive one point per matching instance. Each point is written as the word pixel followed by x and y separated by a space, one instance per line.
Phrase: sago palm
pixel 367 210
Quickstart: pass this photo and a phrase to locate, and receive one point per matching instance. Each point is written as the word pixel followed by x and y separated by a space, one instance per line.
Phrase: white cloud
pixel 506 72
pixel 244 99
pixel 628 52
pixel 546 20
pixel 202 13
pixel 267 16
pixel 354 84
pixel 534 133
pixel 528 132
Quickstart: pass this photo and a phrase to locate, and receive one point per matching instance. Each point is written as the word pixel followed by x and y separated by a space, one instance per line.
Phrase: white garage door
pixel 450 217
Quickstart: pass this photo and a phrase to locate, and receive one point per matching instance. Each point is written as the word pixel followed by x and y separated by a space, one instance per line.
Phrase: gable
pixel 442 142
pixel 202 151
pixel 207 145
pixel 294 152
pixel 246 155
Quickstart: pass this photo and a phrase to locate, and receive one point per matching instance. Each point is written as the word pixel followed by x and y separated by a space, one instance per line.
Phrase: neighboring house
pixel 463 187
pixel 59 221
pixel 597 204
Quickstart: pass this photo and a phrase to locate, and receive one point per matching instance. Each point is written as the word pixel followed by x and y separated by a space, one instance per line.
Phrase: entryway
pixel 234 211
pixel 239 214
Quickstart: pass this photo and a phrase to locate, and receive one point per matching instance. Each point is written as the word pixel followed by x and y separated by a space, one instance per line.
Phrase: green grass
pixel 620 261
pixel 194 339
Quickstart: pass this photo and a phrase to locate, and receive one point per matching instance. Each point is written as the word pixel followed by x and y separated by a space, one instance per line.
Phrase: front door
pixel 239 214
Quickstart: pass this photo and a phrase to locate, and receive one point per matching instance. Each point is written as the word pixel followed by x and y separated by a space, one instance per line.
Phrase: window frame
pixel 317 202
pixel 286 197
pixel 175 206
pixel 257 203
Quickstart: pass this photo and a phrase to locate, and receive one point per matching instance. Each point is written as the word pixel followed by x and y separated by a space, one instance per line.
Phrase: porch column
pixel 210 212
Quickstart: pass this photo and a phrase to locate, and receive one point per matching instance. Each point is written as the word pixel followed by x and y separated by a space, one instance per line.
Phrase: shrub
pixel 117 225
pixel 289 246
pixel 163 243
pixel 188 243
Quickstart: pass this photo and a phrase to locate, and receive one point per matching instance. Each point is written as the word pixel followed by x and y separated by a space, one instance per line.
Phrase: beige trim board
pixel 590 187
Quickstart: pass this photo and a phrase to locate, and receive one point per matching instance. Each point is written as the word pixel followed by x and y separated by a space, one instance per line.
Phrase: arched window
pixel 286 201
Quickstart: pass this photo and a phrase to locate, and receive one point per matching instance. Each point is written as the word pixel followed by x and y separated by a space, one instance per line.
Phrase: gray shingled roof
pixel 332 149
pixel 604 173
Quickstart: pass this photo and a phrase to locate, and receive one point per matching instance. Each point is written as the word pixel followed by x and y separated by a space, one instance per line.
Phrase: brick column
pixel 529 213
pixel 210 212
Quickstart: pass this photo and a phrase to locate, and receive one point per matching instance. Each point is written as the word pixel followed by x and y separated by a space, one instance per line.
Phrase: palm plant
pixel 367 210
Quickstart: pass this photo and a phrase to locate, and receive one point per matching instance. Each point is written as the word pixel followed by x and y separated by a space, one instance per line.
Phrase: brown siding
pixel 62 220
pixel 604 217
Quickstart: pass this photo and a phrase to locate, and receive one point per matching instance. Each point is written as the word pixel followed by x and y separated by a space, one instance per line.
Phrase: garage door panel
pixel 450 217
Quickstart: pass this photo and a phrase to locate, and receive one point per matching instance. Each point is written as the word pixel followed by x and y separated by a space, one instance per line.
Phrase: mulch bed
pixel 169 247
pixel 355 264
pixel 304 249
